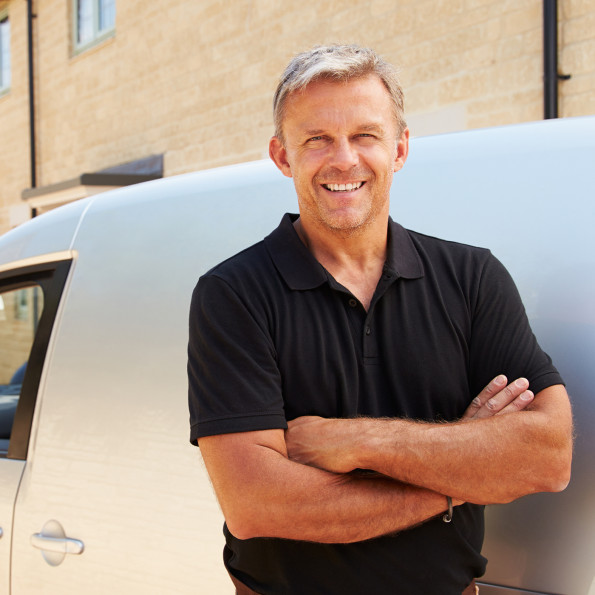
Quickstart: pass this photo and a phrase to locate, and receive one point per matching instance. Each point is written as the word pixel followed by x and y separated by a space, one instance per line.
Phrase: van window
pixel 29 300
pixel 20 311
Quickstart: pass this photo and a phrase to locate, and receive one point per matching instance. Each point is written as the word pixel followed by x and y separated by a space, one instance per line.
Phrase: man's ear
pixel 402 151
pixel 278 154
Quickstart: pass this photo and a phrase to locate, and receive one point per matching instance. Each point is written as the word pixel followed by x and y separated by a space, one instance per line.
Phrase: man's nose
pixel 344 156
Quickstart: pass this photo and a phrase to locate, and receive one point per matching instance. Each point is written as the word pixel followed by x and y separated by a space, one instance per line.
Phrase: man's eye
pixel 315 138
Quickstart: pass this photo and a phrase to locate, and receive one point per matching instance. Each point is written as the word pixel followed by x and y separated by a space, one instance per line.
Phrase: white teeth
pixel 343 187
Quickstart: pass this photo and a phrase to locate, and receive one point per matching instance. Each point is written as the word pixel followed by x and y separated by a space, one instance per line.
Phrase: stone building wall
pixel 193 80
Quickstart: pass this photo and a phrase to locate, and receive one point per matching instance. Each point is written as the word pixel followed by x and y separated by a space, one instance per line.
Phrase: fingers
pixel 507 396
pixel 518 403
pixel 492 389
pixel 497 398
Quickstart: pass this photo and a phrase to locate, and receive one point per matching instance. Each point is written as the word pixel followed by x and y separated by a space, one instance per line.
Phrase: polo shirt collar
pixel 402 257
pixel 301 271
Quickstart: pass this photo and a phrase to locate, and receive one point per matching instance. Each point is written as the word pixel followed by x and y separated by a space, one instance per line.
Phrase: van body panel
pixel 10 475
pixel 527 193
pixel 51 232
pixel 115 469
pixel 109 457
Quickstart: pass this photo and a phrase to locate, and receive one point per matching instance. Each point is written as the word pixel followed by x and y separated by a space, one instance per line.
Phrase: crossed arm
pixel 298 485
pixel 490 460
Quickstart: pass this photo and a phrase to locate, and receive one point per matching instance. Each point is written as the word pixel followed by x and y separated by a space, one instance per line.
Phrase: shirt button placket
pixel 369 341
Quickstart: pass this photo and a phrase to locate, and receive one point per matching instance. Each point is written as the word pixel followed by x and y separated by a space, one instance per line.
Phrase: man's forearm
pixel 487 461
pixel 490 460
pixel 263 494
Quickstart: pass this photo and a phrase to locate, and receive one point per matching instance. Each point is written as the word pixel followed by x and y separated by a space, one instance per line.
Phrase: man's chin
pixel 346 223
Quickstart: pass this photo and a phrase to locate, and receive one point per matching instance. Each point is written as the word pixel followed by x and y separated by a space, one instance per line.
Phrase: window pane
pixel 20 311
pixel 85 29
pixel 107 14
pixel 4 53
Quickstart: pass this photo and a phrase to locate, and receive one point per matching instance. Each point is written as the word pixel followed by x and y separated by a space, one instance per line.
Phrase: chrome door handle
pixel 61 545
pixel 54 544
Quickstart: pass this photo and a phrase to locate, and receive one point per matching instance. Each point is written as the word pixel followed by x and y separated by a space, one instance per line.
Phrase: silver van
pixel 100 490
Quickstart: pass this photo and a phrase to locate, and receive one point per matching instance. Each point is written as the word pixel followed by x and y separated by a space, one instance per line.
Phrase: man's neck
pixel 354 259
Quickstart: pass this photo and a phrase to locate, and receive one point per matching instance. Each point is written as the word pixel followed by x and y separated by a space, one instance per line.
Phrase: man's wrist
pixel 375 444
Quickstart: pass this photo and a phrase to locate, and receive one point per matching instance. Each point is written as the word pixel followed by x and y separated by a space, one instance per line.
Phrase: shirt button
pixel 353 303
pixel 368 330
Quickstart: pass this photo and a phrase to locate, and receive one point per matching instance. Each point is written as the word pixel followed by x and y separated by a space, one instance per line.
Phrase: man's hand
pixel 321 442
pixel 497 398
pixel 325 443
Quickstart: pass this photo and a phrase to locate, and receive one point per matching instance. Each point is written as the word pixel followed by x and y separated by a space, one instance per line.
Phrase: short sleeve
pixel 234 383
pixel 502 341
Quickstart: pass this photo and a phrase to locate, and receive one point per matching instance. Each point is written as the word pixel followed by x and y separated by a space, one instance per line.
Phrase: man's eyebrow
pixel 371 127
pixel 313 132
pixel 378 128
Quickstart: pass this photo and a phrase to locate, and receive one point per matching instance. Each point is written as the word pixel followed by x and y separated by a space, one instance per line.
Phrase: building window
pixel 94 20
pixel 4 52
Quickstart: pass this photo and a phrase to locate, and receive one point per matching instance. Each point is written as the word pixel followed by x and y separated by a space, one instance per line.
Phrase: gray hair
pixel 339 63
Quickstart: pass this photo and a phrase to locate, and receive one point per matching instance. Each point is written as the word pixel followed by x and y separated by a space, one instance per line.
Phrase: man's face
pixel 341 148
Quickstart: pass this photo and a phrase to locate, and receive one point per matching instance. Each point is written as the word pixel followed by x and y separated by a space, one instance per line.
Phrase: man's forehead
pixel 361 103
pixel 330 85
pixel 325 93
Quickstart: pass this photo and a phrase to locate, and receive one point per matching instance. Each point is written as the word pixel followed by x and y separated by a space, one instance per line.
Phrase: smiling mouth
pixel 343 187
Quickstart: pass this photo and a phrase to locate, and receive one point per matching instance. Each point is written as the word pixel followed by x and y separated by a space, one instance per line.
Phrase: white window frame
pixel 95 32
pixel 5 58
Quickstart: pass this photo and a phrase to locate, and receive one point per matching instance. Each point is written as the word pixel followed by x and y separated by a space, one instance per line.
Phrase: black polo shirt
pixel 274 336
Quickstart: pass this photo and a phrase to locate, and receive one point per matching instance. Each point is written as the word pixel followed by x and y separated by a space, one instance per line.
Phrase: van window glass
pixel 20 312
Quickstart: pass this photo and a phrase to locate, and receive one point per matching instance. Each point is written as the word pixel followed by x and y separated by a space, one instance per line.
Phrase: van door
pixel 29 296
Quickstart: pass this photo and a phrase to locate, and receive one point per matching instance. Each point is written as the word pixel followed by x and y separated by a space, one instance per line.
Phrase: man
pixel 371 341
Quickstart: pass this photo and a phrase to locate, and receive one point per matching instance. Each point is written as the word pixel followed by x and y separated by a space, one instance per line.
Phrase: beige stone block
pixel 570 9
pixel 515 75
pixel 349 17
pixel 422 98
pixel 381 8
pixel 578 29
pixel 577 84
pixel 297 21
pixel 475 4
pixel 479 58
pixel 440 68
pixel 509 100
pixel 580 104
pixel 464 86
pixel 480 107
pixel 399 25
pixel 476 13
pixel 527 18
pixel 413 55
pixel 4 219
pixel 528 43
pixel 267 10
pixel 501 117
pixel 579 58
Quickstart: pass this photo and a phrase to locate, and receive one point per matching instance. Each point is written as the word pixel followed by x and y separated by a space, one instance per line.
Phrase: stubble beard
pixel 342 225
